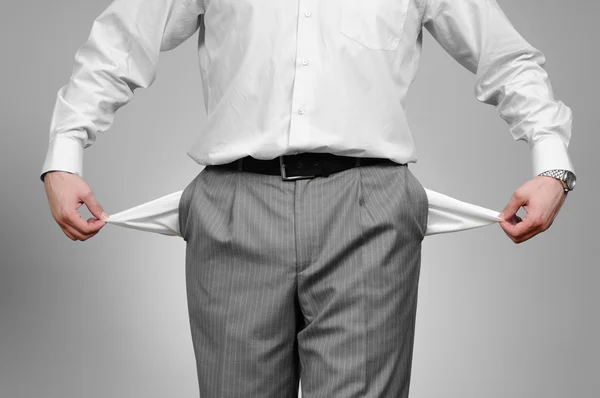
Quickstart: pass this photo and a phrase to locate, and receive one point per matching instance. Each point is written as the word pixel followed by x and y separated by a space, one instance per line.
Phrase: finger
pixel 512 221
pixel 533 221
pixel 513 206
pixel 71 232
pixel 529 236
pixel 79 235
pixel 90 235
pixel 95 225
pixel 75 220
pixel 515 219
pixel 85 229
pixel 526 237
pixel 93 206
pixel 515 239
pixel 526 227
pixel 63 222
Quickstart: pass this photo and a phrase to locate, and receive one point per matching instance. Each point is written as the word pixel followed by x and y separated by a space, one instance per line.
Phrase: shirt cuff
pixel 64 154
pixel 550 153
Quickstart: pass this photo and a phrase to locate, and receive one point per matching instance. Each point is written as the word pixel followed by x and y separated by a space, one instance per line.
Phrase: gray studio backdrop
pixel 108 317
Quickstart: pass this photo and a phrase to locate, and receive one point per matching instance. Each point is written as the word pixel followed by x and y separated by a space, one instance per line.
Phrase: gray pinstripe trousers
pixel 314 279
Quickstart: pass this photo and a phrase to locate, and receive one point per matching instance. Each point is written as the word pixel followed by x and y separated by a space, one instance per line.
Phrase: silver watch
pixel 565 176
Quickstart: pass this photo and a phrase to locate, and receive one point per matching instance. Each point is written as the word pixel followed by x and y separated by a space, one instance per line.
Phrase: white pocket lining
pixel 446 214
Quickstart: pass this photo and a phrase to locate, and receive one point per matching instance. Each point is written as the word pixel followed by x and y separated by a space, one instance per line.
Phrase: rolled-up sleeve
pixel 120 55
pixel 509 75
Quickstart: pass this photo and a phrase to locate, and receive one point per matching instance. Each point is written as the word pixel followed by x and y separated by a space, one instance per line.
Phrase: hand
pixel 542 198
pixel 66 193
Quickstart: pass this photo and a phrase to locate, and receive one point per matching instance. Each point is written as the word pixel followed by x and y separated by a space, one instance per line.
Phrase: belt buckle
pixel 284 177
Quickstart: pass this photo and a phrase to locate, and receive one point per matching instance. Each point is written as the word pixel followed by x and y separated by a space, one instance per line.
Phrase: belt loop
pixel 357 162
pixel 239 164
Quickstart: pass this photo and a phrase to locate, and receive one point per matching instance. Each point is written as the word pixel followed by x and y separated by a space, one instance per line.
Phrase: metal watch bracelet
pixel 566 177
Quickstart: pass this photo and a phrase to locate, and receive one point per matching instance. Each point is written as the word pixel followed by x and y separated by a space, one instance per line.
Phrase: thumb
pixel 94 207
pixel 511 208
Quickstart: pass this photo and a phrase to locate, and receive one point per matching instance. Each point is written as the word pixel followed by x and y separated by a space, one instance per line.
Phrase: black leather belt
pixel 302 165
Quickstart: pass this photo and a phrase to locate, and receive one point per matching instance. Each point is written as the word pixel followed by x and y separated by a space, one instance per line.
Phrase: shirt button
pixel 307 14
pixel 304 62
pixel 301 111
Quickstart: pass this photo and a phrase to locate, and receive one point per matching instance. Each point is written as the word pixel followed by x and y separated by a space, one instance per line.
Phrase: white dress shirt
pixel 283 77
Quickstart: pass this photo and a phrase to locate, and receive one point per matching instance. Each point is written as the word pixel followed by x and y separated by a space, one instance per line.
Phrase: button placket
pixel 302 78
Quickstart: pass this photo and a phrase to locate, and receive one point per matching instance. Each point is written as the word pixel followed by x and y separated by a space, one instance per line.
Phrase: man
pixel 304 230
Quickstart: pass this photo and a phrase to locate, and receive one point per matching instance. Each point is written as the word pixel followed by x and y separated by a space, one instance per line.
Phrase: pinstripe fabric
pixel 313 278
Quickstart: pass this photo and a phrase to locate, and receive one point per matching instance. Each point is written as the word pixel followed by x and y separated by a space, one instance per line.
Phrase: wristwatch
pixel 565 176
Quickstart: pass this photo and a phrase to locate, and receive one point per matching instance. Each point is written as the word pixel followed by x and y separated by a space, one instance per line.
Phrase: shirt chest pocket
pixel 376 24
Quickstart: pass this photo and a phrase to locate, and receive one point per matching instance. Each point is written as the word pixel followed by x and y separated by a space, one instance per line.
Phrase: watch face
pixel 570 180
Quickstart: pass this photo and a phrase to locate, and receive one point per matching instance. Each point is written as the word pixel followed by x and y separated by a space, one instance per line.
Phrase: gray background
pixel 108 317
